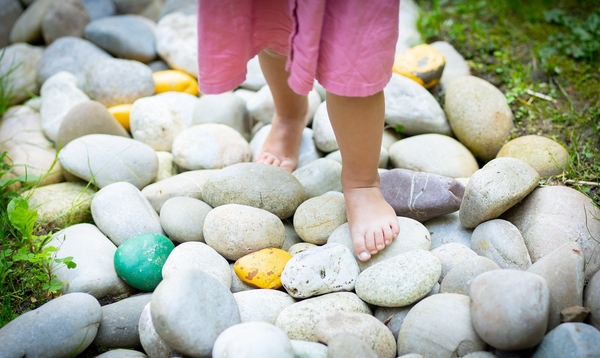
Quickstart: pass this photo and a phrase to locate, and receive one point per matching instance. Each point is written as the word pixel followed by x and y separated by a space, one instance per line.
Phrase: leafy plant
pixel 582 40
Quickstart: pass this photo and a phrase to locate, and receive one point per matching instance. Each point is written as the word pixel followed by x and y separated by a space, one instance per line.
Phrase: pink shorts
pixel 347 45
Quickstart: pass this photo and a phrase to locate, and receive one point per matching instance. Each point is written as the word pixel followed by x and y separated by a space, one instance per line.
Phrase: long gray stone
pixel 120 321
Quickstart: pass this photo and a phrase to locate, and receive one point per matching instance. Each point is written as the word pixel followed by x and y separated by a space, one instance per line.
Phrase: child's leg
pixel 282 145
pixel 358 126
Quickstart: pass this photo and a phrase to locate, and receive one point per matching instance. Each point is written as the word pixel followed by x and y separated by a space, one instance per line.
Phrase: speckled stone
pixel 316 218
pixel 400 280
pixel 544 155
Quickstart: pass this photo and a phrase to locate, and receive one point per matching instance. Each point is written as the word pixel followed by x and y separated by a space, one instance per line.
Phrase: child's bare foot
pixel 373 222
pixel 282 146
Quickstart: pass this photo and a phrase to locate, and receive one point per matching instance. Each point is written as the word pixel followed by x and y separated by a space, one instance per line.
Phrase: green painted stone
pixel 139 260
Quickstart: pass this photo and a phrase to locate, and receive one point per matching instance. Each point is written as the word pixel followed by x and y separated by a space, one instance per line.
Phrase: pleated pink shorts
pixel 347 45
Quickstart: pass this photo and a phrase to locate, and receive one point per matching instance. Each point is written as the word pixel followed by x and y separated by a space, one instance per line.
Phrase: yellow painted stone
pixel 422 63
pixel 262 268
pixel 174 80
pixel 121 113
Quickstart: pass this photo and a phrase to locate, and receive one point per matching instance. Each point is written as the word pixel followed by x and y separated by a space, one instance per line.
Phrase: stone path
pixel 220 257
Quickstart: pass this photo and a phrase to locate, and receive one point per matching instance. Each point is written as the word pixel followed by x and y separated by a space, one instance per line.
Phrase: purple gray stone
pixel 420 196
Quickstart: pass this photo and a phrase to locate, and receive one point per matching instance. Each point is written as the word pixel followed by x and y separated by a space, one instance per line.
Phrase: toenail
pixel 380 247
pixel 364 256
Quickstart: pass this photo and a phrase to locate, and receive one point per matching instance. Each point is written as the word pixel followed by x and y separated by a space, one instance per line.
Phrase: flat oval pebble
pixel 479 115
pixel 253 339
pixel 433 153
pixel 188 184
pixel 259 185
pixel 551 216
pixel 79 314
pixel 364 326
pixel 174 80
pixel 190 310
pixel 563 270
pixel 119 325
pixel 446 229
pixel 419 195
pixel 400 280
pixel 197 255
pixel 459 278
pixel 316 218
pixel 133 216
pixel 411 106
pixel 262 268
pixel 105 159
pixel 182 218
pixel 154 122
pixel 510 308
pixel 502 242
pixel 150 341
pixel 319 270
pixel 235 230
pixel 320 176
pixel 89 117
pixel 299 319
pixel 440 326
pixel 93 253
pixel 210 146
pixel 544 155
pixel 413 236
pixel 115 81
pixel 450 254
pixel 495 188
pixel 140 259
pixel 262 305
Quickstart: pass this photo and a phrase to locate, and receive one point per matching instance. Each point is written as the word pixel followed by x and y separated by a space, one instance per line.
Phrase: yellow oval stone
pixel 174 80
pixel 121 113
pixel 262 268
pixel 422 63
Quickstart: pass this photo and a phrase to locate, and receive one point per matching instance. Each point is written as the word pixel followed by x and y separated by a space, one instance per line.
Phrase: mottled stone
pixel 299 319
pixel 433 153
pixel 320 270
pixel 501 241
pixel 254 184
pixel 154 122
pixel 235 230
pixel 495 188
pixel 420 196
pixel 182 103
pixel 544 155
pixel 413 236
pixel 400 280
pixel 554 215
pixel 316 218
pixel 479 115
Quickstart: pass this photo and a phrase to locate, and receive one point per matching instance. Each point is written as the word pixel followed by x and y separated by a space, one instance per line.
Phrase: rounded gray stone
pixel 182 103
pixel 198 256
pixel 97 9
pixel 225 108
pixel 253 339
pixel 153 345
pixel 451 254
pixel 445 316
pixel 316 218
pixel 544 155
pixel 105 159
pixel 570 340
pixel 304 349
pixel 591 299
pixel 433 153
pixel 11 10
pixel 320 176
pixel 79 315
pixel 324 136
pixel 177 41
pixel 458 280
pixel 259 185
pixel 446 229
pixel 126 36
pixel 153 121
pixel 210 146
pixel 18 67
pixel 122 353
pixel 115 81
pixel 182 218
pixel 501 241
pixel 120 320
pixel 479 115
pixel 132 216
pixel 262 304
pixel 191 309
pixel 64 18
pixel 509 308
pixel 187 184
pixel 456 66
pixel 28 27
pixel 495 188
pixel 349 345
pixel 400 280
pixel 551 216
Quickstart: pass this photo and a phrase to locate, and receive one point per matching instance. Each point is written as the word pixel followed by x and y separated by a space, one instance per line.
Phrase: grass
pixel 545 56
